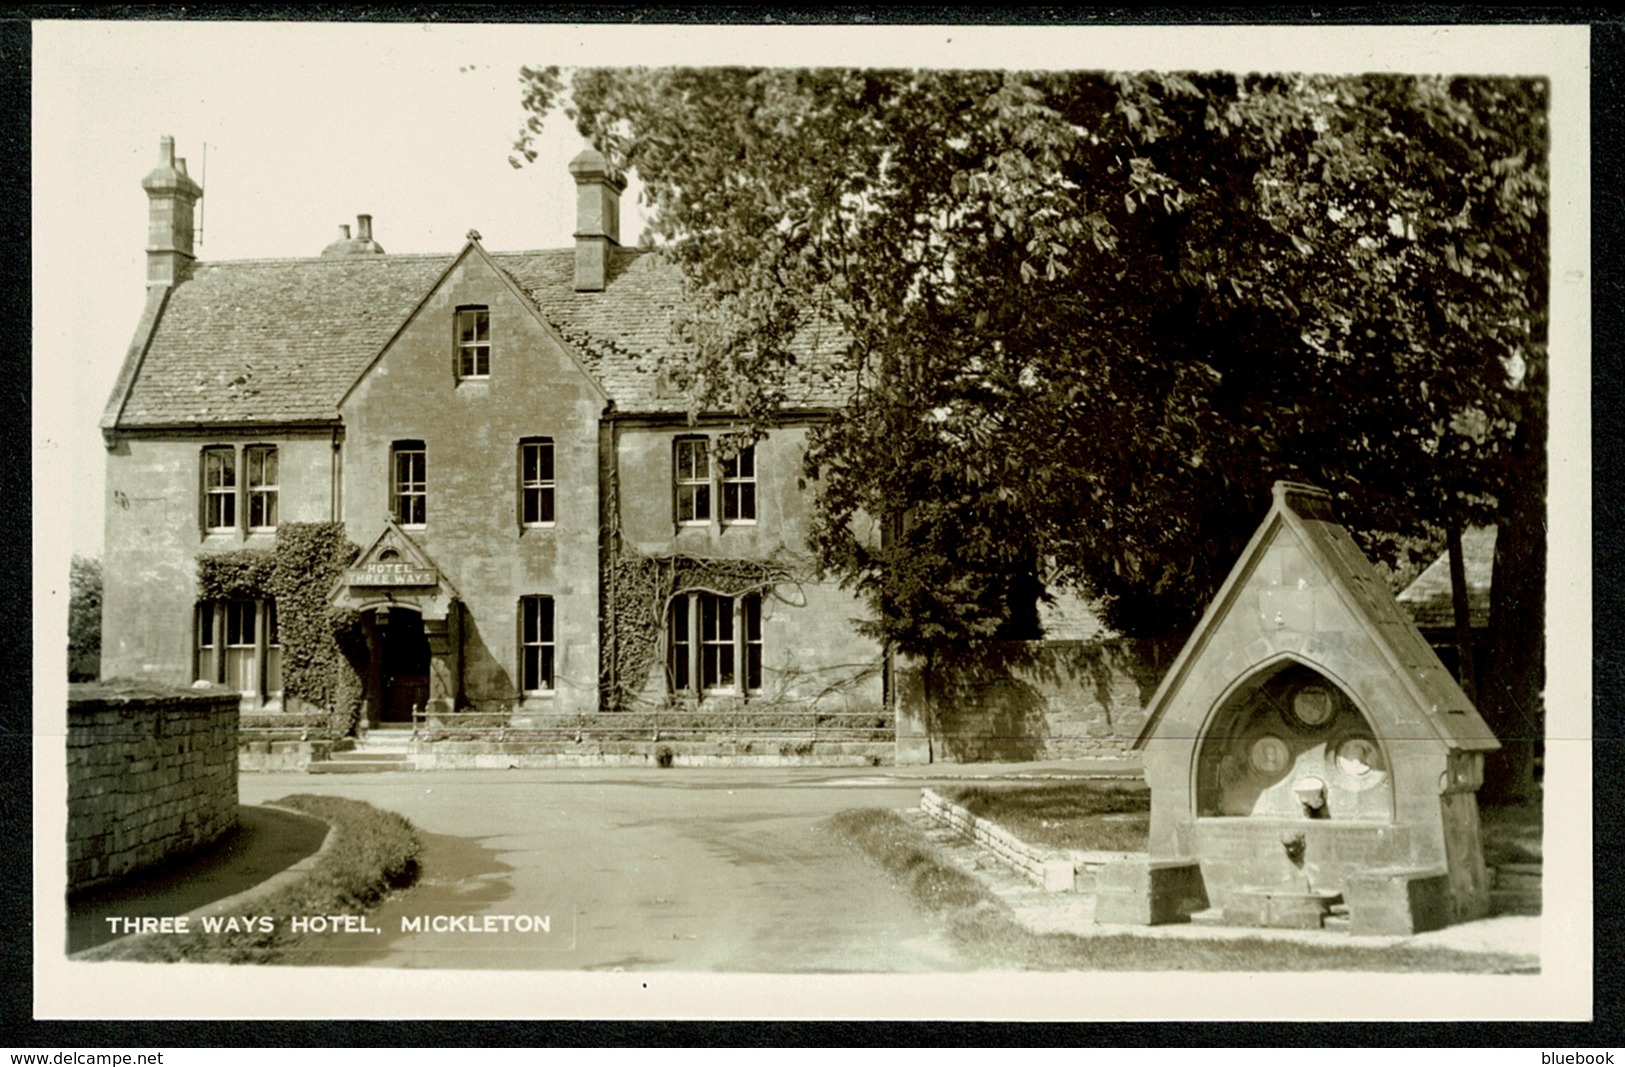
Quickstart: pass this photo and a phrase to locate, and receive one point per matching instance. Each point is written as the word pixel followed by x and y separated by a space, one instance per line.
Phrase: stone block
pixel 1059 876
pixel 1281 909
pixel 1397 901
pixel 1146 892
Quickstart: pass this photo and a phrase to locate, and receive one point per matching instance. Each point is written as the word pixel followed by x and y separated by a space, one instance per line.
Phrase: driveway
pixel 635 869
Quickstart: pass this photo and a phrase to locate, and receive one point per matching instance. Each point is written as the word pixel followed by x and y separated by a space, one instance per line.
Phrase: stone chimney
pixel 598 218
pixel 171 195
pixel 361 244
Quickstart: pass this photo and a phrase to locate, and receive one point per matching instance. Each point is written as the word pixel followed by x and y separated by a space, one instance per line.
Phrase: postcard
pixel 822 521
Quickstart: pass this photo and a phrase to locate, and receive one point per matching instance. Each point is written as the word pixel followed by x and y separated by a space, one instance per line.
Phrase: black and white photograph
pixel 924 522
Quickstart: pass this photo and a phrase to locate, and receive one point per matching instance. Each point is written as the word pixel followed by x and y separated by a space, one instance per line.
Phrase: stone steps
pixel 378 752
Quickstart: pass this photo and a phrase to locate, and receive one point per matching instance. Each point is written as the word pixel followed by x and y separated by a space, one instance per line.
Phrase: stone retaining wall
pixel 1055 870
pixel 1041 866
pixel 152 773
pixel 1027 700
pixel 261 754
pixel 794 752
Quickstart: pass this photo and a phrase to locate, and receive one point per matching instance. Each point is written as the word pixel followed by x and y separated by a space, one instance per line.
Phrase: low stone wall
pixel 1052 869
pixel 591 752
pixel 152 773
pixel 1027 700
pixel 1042 867
pixel 268 754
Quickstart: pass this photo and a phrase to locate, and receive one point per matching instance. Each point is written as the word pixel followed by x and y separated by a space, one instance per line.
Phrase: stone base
pixel 1149 892
pixel 1397 901
pixel 1279 909
pixel 912 751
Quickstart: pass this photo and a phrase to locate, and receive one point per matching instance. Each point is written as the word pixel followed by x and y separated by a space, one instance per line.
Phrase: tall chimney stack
pixel 598 218
pixel 171 196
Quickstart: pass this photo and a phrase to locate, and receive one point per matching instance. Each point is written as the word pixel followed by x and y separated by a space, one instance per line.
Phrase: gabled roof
pixel 1428 598
pixel 1304 515
pixel 278 341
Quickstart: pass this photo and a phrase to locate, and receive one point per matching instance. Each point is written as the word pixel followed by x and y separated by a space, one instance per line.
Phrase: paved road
pixel 682 869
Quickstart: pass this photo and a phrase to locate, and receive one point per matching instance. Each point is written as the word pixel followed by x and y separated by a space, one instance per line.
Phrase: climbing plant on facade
pixel 298 572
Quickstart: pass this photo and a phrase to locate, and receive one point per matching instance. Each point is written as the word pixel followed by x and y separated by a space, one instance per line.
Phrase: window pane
pixel 222 510
pixel 677 643
pixel 221 465
pixel 240 622
pixel 692 474
pixel 717 641
pixel 536 480
pixel 205 626
pixel 752 611
pixel 240 670
pixel 536 641
pixel 411 462
pixel 473 342
pixel 739 487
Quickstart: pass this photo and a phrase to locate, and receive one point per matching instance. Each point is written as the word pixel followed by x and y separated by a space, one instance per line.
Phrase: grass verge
pixel 1095 816
pixel 374 852
pixel 986 930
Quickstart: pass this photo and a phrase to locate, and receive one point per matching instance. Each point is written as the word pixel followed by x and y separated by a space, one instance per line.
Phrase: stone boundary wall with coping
pixel 517 752
pixel 1053 870
pixel 152 773
pixel 1015 701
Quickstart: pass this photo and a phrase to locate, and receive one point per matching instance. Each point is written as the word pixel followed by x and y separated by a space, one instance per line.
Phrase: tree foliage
pixel 1088 318
pixel 84 618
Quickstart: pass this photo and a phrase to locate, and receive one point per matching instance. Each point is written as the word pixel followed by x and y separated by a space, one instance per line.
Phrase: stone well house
pixel 495 431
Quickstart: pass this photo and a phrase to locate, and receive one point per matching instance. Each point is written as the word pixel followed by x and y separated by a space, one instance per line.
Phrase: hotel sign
pixel 393 574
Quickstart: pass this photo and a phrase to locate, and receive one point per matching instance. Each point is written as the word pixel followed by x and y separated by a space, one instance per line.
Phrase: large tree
pixel 1087 318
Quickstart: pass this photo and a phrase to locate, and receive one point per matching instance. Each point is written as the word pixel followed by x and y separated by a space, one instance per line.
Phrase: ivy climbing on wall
pixel 640 588
pixel 320 646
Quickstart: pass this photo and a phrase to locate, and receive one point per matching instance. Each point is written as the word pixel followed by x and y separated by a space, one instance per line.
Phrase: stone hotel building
pixel 494 432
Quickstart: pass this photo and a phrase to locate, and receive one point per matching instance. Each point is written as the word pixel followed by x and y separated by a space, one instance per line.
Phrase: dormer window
pixel 473 343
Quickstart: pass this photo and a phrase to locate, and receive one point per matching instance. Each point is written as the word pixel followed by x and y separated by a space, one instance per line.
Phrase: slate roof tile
pixel 280 341
pixel 1428 598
